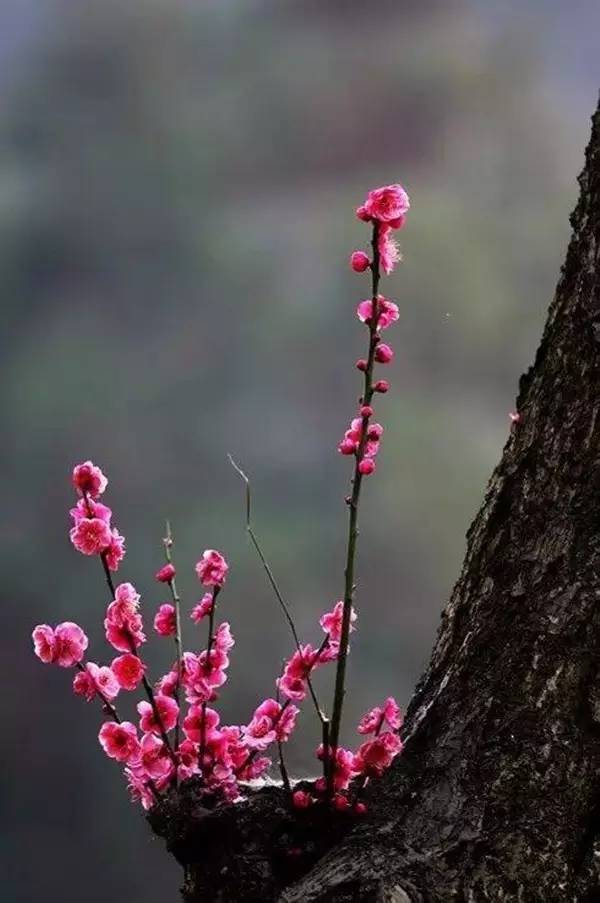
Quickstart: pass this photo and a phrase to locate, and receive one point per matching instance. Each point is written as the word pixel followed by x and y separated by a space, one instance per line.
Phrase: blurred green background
pixel 177 188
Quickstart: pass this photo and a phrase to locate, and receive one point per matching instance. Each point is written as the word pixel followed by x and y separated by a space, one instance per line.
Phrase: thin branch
pixel 271 577
pixel 168 542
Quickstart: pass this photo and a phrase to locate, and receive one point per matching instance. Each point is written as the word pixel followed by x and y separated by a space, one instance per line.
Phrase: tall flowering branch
pixel 386 209
pixel 167 574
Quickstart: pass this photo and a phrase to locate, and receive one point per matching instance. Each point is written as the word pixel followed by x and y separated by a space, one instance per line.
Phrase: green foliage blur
pixel 177 188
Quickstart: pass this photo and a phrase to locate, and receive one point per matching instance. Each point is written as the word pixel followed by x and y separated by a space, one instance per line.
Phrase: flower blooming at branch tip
pixel 384 353
pixel 389 253
pixel 382 385
pixel 120 741
pixel 89 479
pixel 292 682
pixel 115 553
pixel 91 535
pixel 166 573
pixel 375 719
pixel 224 640
pixel 86 508
pixel 388 204
pixel 212 568
pixel 167 710
pixel 359 261
pixel 96 679
pixel 374 756
pixel 331 621
pixel 123 622
pixel 283 717
pixel 301 799
pixel 387 312
pixel 63 645
pixel 128 670
pixel 165 622
pixel 197 716
pixel 203 608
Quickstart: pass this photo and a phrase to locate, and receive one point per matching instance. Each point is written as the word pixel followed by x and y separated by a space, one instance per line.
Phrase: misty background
pixel 177 191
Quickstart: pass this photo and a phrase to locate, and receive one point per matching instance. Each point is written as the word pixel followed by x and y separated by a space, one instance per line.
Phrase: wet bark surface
pixel 497 794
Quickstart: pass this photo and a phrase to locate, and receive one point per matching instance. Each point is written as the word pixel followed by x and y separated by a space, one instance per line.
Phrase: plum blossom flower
pixel 292 682
pixel 86 508
pixel 115 553
pixel 89 480
pixel 165 620
pixel 203 608
pixel 123 622
pixel 200 716
pixel 331 621
pixel 128 670
pixel 154 760
pixel 212 568
pixel 387 311
pixel 120 741
pixel 139 789
pixel 301 799
pixel 95 679
pixel 388 204
pixel 167 710
pixel 374 756
pixel 166 573
pixel 64 645
pixel 389 253
pixel 91 535
pixel 343 767
pixel 187 756
pixel 168 683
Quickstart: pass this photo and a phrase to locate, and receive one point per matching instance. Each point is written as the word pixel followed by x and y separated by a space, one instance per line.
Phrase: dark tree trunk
pixel 497 794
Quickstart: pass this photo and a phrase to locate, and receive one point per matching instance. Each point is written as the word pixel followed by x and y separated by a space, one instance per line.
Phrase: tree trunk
pixel 497 794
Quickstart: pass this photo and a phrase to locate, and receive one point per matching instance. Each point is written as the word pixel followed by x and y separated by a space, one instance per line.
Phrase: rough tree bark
pixel 497 794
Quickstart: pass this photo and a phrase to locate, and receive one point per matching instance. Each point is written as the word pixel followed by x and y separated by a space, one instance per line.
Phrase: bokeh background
pixel 177 187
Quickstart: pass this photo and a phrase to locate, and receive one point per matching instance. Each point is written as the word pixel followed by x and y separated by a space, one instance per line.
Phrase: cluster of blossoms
pixel 177 733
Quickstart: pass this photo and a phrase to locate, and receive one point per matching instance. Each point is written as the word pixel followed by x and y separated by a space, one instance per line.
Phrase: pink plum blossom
pixel 89 479
pixel 86 508
pixel 212 568
pixel 301 799
pixel 331 621
pixel 139 789
pixel 64 645
pixel 128 670
pixel 203 608
pixel 197 716
pixel 120 741
pixel 366 466
pixel 166 573
pixel 123 622
pixel 388 204
pixel 387 312
pixel 167 710
pixel 165 620
pixel 154 760
pixel 382 385
pixel 95 679
pixel 375 755
pixel 389 253
pixel 91 535
pixel 115 553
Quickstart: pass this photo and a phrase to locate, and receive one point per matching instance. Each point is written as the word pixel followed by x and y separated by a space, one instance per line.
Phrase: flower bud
pixel 361 364
pixel 384 353
pixel 382 385
pixel 366 466
pixel 359 261
pixel 166 574
pixel 366 410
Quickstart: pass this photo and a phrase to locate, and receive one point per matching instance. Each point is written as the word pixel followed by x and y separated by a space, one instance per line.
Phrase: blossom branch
pixel 284 606
pixel 353 503
pixel 168 543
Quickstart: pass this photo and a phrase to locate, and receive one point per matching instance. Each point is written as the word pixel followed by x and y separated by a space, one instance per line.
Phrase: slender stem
pixel 271 577
pixel 349 586
pixel 168 542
